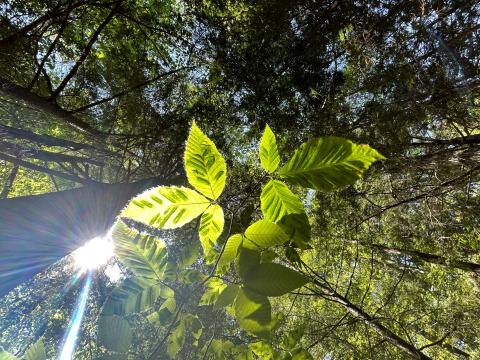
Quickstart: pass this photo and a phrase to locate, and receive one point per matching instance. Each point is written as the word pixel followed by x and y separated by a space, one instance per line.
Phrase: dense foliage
pixel 259 231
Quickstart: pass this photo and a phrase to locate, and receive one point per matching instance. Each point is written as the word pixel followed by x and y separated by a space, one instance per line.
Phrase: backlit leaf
pixel 253 312
pixel 232 247
pixel 206 169
pixel 269 157
pixel 263 234
pixel 36 351
pixel 328 163
pixel 211 226
pixel 134 295
pixel 166 207
pixel 145 255
pixel 280 205
pixel 114 333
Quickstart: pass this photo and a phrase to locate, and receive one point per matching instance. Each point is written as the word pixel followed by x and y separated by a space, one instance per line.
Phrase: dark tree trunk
pixel 37 231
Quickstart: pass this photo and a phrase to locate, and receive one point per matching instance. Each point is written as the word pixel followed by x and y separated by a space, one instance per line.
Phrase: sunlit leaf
pixel 145 255
pixel 231 249
pixel 269 157
pixel 166 207
pixel 134 295
pixel 253 312
pixel 36 351
pixel 280 205
pixel 213 288
pixel 5 355
pixel 263 234
pixel 206 169
pixel 328 163
pixel 211 226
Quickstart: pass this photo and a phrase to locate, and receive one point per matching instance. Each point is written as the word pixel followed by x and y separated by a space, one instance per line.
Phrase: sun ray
pixel 72 334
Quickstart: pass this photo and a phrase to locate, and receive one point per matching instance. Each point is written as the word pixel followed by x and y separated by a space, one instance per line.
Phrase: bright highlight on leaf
pixel 232 247
pixel 280 205
pixel 253 312
pixel 166 207
pixel 145 256
pixel 211 226
pixel 269 156
pixel 277 200
pixel 328 163
pixel 263 234
pixel 205 166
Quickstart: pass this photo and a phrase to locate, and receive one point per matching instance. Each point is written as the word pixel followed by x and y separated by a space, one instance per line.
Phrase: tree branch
pixel 86 51
pixel 45 170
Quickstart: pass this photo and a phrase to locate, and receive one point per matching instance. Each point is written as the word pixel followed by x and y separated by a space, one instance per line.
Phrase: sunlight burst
pixel 94 253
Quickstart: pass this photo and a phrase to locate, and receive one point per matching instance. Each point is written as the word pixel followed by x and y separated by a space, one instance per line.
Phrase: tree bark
pixel 46 104
pixel 36 231
pixel 15 133
pixel 9 182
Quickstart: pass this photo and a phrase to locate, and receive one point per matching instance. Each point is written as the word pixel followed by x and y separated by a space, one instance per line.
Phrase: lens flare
pixel 94 253
pixel 71 337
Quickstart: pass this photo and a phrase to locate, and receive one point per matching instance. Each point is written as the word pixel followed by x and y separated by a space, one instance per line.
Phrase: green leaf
pixel 211 226
pixel 231 249
pixel 189 276
pixel 269 157
pixel 177 339
pixel 248 260
pixel 134 295
pixel 114 333
pixel 280 205
pixel 5 355
pixel 170 304
pixel 206 169
pixel 277 201
pixel 188 254
pixel 253 312
pixel 164 313
pixel 213 288
pixel 227 296
pixel 36 351
pixel 166 207
pixel 146 256
pixel 328 163
pixel 263 234
pixel 297 227
pixel 271 279
pixel 301 354
pixel 262 349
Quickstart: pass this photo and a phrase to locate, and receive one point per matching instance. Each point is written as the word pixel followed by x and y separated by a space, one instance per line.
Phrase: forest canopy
pixel 239 179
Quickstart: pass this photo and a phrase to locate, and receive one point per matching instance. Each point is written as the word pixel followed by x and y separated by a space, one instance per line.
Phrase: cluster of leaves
pixel 321 164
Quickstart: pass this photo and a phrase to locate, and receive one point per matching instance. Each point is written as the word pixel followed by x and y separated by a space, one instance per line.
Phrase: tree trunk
pixel 9 182
pixel 37 231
